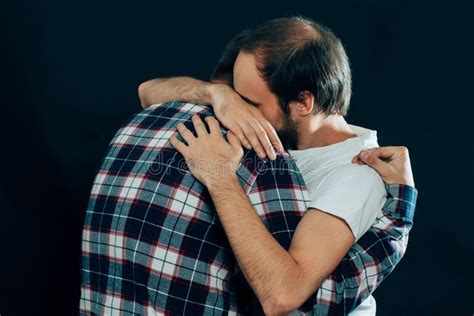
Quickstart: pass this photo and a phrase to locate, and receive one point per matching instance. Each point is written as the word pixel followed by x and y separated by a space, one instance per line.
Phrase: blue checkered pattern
pixel 152 243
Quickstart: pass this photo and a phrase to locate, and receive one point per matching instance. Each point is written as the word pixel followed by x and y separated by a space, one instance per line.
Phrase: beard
pixel 288 134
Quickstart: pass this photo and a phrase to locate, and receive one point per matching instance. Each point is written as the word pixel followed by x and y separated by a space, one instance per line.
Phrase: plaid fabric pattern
pixel 370 260
pixel 152 243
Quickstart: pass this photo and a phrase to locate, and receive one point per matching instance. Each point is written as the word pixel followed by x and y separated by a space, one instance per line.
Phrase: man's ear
pixel 305 104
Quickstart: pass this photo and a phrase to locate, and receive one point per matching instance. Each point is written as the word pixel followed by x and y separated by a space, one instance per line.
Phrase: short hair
pixel 293 55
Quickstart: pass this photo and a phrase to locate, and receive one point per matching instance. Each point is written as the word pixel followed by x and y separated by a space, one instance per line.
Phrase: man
pixel 152 242
pixel 139 246
pixel 297 74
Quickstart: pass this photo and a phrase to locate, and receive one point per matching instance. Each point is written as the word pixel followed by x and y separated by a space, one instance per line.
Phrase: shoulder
pixel 352 192
pixel 355 184
pixel 178 106
pixel 166 117
pixel 280 176
pixel 283 170
pixel 348 186
pixel 170 114
pixel 277 188
pixel 360 175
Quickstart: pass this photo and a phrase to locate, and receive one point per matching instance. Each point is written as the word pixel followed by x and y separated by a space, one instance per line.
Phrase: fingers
pixel 185 133
pixel 371 158
pixel 253 139
pixel 357 160
pixel 199 125
pixel 392 163
pixel 213 125
pixel 179 146
pixel 235 128
pixel 388 152
pixel 233 140
pixel 252 136
pixel 264 140
pixel 272 135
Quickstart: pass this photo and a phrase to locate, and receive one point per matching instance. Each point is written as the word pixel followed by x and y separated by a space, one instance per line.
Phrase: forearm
pixel 387 238
pixel 270 270
pixel 185 89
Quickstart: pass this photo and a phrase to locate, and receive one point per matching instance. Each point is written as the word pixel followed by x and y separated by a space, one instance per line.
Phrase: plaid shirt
pixel 152 243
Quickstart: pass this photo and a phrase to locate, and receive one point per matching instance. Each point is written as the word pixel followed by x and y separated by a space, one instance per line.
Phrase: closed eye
pixel 249 101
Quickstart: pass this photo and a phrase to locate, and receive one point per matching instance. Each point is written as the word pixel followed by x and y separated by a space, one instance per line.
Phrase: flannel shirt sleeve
pixel 279 196
pixel 371 259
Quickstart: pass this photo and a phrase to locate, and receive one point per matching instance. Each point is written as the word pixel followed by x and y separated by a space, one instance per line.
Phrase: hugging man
pixel 159 240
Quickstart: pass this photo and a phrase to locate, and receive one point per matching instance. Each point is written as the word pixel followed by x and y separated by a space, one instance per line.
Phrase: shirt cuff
pixel 401 201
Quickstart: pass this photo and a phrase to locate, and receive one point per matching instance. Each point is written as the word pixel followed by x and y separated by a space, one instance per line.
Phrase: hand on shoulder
pixel 391 162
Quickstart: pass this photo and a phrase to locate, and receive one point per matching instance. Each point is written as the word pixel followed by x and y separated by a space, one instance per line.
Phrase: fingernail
pixel 272 154
pixel 363 154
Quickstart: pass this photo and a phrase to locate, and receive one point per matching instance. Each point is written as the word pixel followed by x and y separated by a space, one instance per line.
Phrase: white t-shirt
pixel 355 193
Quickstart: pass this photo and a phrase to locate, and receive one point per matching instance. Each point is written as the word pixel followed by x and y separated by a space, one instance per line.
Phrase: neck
pixel 320 130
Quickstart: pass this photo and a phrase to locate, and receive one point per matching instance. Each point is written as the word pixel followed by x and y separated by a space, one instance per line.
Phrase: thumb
pixel 233 140
pixel 371 159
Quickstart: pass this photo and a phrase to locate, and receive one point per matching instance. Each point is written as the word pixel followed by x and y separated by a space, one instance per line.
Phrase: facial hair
pixel 288 134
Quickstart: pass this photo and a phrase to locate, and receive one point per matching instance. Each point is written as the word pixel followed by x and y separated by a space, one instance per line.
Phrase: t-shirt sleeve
pixel 354 193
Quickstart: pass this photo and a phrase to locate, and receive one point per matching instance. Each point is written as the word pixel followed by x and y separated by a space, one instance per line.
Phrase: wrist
pixel 217 92
pixel 223 182
pixel 213 91
pixel 401 180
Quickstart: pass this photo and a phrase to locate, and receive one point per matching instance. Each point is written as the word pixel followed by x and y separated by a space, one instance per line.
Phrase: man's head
pixel 290 68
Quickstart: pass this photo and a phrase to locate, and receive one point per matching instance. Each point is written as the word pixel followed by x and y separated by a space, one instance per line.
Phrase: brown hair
pixel 293 55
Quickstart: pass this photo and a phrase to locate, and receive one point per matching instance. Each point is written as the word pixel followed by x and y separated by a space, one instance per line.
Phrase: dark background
pixel 70 72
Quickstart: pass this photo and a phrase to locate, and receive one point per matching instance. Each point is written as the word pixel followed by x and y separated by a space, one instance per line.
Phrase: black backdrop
pixel 70 77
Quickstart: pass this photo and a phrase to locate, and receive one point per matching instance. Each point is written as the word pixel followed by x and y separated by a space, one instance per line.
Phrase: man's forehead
pixel 247 82
pixel 245 66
